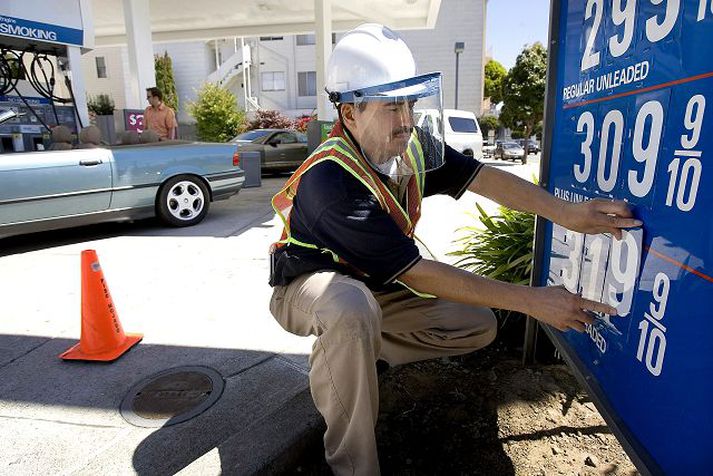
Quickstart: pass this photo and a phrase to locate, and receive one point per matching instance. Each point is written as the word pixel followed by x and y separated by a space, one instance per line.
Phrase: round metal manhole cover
pixel 172 396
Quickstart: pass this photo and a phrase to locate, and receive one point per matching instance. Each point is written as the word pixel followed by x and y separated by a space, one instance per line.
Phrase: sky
pixel 513 23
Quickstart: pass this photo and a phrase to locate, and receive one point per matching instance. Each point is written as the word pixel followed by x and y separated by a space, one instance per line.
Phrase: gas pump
pixel 40 50
pixel 43 108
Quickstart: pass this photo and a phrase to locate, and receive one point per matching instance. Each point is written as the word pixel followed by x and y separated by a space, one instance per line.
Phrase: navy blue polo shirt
pixel 334 210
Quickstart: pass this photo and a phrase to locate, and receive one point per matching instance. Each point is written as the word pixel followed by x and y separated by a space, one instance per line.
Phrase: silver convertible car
pixel 173 180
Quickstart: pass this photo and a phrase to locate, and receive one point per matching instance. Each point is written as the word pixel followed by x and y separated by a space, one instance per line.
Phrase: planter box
pixel 106 126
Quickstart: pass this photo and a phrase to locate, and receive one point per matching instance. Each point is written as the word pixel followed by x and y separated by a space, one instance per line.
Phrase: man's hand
pixel 563 310
pixel 598 216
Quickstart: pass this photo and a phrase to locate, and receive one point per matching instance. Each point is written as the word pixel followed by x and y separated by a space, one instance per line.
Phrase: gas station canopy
pixel 189 20
pixel 180 20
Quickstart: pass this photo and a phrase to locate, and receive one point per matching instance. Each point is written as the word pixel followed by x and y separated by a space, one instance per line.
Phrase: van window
pixel 463 124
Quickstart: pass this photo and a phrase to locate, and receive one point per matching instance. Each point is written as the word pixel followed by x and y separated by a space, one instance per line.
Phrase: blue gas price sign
pixel 629 116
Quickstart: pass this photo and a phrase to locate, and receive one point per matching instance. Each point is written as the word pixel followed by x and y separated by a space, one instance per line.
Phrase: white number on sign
pixel 581 172
pixel 625 16
pixel 614 119
pixel 654 343
pixel 591 59
pixel 656 31
pixel 570 277
pixel 624 266
pixel 662 285
pixel 702 9
pixel 648 154
pixel 693 121
pixel 686 195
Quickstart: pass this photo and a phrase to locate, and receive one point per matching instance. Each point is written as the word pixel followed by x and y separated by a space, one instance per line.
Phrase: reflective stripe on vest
pixel 339 148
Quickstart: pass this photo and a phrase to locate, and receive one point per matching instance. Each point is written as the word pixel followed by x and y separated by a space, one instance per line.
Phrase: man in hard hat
pixel 347 269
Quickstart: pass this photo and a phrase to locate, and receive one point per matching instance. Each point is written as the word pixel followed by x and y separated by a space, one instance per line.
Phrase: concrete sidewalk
pixel 200 297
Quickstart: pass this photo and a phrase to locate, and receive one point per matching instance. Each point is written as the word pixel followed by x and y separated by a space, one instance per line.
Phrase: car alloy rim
pixel 185 200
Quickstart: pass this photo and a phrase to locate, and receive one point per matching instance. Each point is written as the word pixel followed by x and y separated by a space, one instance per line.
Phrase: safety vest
pixel 340 149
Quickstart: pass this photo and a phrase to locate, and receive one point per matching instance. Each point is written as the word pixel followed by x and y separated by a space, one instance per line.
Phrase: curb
pixel 277 443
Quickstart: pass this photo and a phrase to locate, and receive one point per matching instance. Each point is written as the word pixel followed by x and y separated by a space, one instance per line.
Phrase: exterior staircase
pixel 236 66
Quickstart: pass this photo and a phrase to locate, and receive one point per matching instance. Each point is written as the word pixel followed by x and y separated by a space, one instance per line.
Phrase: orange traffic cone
pixel 102 337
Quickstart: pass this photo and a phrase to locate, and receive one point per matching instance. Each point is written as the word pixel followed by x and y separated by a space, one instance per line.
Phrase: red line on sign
pixel 678 263
pixel 639 91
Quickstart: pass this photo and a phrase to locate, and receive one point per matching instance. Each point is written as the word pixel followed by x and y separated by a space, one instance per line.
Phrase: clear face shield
pixel 401 125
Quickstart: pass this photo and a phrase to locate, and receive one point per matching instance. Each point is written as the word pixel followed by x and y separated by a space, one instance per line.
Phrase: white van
pixel 461 129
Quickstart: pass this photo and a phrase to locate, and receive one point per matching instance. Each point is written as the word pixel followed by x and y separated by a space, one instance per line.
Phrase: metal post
pixel 456 105
pixel 323 48
pixel 217 59
pixel 459 47
pixel 246 74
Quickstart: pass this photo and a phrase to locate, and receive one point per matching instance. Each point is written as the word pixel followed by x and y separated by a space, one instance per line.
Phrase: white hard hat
pixel 369 55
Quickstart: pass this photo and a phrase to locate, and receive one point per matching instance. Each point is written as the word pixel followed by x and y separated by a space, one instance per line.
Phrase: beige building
pixel 280 72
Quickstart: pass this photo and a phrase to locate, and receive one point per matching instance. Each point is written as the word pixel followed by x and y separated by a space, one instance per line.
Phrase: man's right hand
pixel 563 310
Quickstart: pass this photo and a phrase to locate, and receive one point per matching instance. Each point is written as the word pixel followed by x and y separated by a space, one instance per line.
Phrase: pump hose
pixel 9 77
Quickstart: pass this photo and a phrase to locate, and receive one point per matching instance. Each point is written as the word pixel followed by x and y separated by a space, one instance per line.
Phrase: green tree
pixel 495 74
pixel 524 91
pixel 488 123
pixel 216 112
pixel 164 80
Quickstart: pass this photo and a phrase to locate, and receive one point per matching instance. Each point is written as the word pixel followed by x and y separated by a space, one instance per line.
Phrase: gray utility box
pixel 251 163
pixel 317 132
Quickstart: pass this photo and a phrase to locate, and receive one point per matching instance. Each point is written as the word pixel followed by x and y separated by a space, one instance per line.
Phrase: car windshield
pixel 462 124
pixel 251 135
pixel 510 146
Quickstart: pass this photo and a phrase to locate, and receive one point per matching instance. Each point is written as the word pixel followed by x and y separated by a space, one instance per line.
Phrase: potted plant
pixel 102 107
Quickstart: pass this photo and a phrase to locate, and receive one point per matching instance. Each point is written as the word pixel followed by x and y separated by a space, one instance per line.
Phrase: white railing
pixel 237 63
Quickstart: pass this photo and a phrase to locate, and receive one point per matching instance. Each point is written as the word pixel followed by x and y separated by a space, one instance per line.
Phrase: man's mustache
pixel 400 130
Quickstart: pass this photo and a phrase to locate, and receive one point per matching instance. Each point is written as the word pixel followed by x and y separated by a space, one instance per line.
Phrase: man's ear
pixel 347 113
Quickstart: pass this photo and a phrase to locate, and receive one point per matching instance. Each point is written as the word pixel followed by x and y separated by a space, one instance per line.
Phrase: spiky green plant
pixel 502 250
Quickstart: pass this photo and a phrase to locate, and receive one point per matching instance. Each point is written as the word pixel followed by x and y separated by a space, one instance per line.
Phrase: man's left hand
pixel 598 216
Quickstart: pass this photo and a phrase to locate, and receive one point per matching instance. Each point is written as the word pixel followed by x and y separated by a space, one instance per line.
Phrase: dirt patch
pixel 486 414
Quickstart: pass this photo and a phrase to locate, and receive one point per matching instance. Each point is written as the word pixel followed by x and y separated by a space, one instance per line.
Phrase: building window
pixel 303 40
pixel 271 38
pixel 307 83
pixel 101 66
pixel 273 81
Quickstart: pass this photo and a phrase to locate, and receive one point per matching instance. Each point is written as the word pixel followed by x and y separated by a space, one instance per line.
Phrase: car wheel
pixel 182 201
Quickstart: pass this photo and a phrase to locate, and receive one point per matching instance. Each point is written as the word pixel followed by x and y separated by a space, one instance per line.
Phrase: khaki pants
pixel 355 327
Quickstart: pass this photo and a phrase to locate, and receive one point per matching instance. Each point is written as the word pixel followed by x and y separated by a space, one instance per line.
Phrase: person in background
pixel 158 117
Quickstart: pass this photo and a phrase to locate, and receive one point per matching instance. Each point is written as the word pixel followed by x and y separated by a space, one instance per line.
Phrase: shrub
pixel 101 105
pixel 301 122
pixel 488 123
pixel 216 113
pixel 269 119
pixel 164 80
pixel 502 251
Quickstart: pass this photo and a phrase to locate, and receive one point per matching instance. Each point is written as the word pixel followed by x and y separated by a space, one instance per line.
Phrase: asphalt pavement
pixel 215 386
